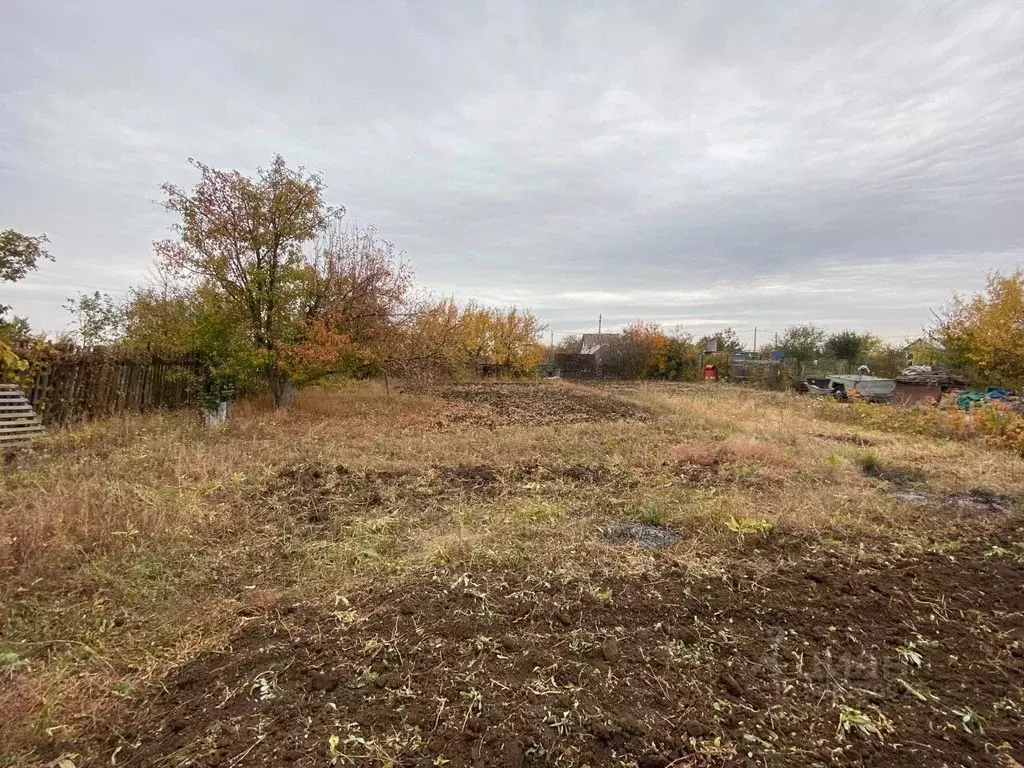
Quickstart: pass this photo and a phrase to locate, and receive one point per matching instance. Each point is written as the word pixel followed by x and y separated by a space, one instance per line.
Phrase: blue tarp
pixel 965 400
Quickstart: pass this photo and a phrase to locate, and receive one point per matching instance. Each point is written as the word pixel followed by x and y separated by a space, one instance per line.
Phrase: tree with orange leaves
pixel 308 293
pixel 644 350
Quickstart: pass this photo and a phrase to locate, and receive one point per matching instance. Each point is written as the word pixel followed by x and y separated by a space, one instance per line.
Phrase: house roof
pixel 924 341
pixel 592 342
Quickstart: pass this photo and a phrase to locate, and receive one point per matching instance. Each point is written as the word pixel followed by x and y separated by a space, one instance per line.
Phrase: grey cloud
pixel 661 160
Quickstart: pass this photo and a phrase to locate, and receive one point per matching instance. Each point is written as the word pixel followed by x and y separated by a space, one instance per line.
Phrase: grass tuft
pixel 869 462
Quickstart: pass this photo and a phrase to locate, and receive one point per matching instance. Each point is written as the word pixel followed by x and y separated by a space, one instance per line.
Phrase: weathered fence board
pixel 18 422
pixel 85 385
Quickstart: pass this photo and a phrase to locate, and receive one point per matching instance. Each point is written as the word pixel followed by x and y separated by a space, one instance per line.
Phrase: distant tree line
pixel 645 350
pixel 806 344
pixel 980 337
pixel 267 282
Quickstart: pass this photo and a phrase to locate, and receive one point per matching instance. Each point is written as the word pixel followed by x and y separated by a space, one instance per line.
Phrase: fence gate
pixel 18 422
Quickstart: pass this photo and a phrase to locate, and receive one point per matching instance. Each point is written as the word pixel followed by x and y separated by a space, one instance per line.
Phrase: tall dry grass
pixel 136 478
pixel 139 483
pixel 128 545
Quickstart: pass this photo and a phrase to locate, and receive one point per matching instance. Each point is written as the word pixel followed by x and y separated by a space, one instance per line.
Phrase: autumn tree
pixel 474 333
pixel 984 335
pixel 646 350
pixel 244 237
pixel 421 343
pixel 14 328
pixel 884 360
pixel 642 351
pixel 263 274
pixel 180 318
pixel 439 337
pixel 19 255
pixel 478 335
pixel 682 359
pixel 354 299
pixel 516 345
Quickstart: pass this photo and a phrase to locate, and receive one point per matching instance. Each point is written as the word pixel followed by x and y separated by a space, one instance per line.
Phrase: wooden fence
pixel 85 385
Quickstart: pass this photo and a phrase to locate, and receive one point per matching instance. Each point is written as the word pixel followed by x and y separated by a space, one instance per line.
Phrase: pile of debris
pixel 916 385
pixel 863 387
pixel 948 390
pixel 924 375
pixel 921 383
pixel 970 398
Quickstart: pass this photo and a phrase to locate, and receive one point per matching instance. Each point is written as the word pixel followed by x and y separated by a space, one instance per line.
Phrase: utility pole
pixel 552 340
pixel 755 339
pixel 599 319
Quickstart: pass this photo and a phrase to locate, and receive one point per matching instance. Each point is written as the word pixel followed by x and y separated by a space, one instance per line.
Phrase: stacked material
pixel 18 421
pixel 923 375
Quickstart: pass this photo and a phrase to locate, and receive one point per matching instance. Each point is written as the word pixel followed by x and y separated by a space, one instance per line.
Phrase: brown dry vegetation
pixel 436 569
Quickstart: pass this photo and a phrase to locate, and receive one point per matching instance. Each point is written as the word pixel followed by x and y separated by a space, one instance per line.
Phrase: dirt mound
pixel 506 404
pixel 917 662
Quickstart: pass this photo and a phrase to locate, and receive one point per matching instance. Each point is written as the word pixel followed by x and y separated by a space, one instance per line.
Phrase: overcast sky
pixel 709 163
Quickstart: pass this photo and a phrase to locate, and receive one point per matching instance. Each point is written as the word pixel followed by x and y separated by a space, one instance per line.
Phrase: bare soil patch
pixel 641 535
pixel 916 661
pixel 526 404
pixel 974 504
pixel 318 492
pixel 981 502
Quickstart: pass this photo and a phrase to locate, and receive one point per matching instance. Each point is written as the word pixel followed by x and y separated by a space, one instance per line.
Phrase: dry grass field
pixel 505 574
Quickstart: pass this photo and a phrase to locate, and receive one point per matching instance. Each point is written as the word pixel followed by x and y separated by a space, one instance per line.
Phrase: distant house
pixel 585 361
pixel 593 343
pixel 925 351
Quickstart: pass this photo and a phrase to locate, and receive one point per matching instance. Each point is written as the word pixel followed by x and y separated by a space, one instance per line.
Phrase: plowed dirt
pixel 509 404
pixel 902 660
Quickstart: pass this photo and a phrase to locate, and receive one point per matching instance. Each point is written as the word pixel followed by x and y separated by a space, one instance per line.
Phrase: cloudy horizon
pixel 703 164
